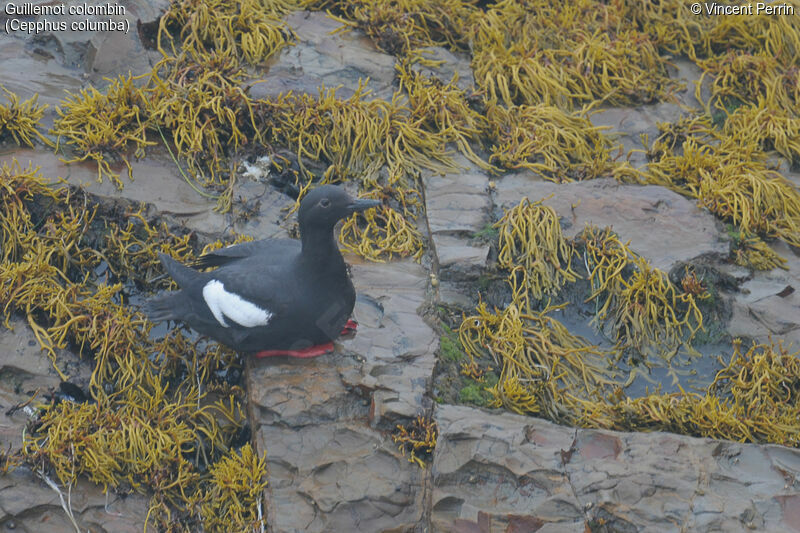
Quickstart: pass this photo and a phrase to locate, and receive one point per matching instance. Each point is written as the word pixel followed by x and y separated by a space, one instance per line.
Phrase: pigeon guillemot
pixel 275 296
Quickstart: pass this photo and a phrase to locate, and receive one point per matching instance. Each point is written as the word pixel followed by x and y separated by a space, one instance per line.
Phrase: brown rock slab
pixel 488 465
pixel 27 372
pixel 500 470
pixel 662 225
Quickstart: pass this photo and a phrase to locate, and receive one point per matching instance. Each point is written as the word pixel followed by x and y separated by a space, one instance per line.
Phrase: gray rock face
pixel 453 65
pixel 23 371
pixel 628 124
pixel 28 505
pixel 457 206
pixel 319 59
pixel 662 225
pixel 26 502
pixel 504 472
pixel 768 303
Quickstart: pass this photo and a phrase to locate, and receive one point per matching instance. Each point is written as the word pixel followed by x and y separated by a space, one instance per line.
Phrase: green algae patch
pixel 158 418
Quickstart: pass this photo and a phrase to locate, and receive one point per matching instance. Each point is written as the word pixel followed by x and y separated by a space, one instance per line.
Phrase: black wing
pixel 270 250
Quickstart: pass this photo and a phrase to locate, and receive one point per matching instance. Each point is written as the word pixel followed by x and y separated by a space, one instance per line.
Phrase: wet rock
pixel 26 372
pixel 115 53
pixel 686 71
pixel 261 211
pixel 146 11
pixel 628 124
pixel 458 259
pixel 319 58
pixel 793 177
pixel 662 226
pixel 498 469
pixel 490 469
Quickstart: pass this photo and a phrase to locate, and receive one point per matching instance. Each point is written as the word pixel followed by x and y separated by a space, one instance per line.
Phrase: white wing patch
pixel 223 304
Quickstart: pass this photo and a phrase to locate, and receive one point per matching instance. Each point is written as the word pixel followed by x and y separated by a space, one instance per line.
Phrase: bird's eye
pixel 325 202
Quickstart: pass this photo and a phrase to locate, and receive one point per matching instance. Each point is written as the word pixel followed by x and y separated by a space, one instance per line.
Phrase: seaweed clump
pixel 20 119
pixel 729 176
pixel 100 124
pixel 564 55
pixel 753 398
pixel 418 440
pixel 562 147
pixel 637 302
pixel 404 27
pixel 532 247
pixel 250 30
pixel 158 418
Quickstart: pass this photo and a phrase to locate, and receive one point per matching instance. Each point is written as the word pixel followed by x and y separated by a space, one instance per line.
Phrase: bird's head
pixel 324 206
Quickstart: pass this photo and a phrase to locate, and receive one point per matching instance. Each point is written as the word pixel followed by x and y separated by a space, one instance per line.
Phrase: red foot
pixel 350 327
pixel 311 351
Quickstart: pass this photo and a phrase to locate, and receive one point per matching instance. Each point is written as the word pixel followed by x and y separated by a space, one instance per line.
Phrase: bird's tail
pixel 182 274
pixel 161 308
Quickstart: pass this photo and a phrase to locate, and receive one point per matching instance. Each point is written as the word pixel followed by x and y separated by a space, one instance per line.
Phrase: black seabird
pixel 275 296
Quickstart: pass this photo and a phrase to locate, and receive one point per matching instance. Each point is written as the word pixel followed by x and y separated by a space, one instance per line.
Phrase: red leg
pixel 350 327
pixel 311 351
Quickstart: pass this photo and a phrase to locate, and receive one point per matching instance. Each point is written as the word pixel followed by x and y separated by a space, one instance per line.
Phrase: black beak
pixel 362 204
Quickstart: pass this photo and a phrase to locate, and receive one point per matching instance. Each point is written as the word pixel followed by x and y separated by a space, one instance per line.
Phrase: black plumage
pixel 274 294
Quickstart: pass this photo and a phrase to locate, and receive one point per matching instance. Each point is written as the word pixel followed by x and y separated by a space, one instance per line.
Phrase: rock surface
pixel 319 59
pixel 503 472
pixel 663 226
